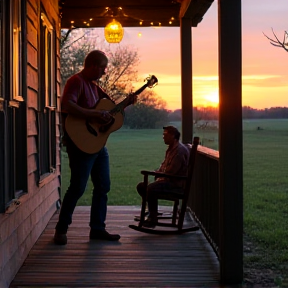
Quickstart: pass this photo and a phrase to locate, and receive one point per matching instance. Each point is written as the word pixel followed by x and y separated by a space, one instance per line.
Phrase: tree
pixel 148 113
pixel 75 44
pixel 276 42
pixel 150 98
pixel 141 116
pixel 121 71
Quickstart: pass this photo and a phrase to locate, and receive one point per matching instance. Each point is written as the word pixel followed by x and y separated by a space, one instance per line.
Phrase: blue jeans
pixel 155 191
pixel 83 165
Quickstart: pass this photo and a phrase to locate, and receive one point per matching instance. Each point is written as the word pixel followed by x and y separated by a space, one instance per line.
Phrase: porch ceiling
pixel 93 13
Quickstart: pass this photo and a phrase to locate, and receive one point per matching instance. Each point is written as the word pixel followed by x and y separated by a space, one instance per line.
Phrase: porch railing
pixel 204 197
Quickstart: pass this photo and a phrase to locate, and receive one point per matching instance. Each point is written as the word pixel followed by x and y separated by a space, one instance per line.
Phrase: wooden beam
pixel 184 9
pixel 186 80
pixel 195 10
pixel 230 141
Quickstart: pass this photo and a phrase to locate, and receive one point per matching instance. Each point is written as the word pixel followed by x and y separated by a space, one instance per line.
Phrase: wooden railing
pixel 204 197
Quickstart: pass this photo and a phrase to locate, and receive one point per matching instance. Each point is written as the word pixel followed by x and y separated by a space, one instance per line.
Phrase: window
pixel 47 98
pixel 13 148
pixel 48 39
pixel 16 49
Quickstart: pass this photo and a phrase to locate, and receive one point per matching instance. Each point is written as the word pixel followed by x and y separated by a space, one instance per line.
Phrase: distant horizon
pixel 214 107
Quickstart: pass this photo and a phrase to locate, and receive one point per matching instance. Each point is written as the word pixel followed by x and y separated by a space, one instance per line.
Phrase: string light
pixel 114 31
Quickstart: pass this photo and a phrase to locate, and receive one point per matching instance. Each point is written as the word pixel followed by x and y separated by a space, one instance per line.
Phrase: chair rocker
pixel 174 226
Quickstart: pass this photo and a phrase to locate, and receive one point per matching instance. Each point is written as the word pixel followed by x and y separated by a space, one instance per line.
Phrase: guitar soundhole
pixel 91 129
pixel 104 128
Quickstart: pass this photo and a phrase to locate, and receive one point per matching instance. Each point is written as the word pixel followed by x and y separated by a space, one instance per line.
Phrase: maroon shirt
pixel 81 91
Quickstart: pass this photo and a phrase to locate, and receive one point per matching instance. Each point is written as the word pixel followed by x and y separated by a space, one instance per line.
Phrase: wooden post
pixel 230 141
pixel 186 80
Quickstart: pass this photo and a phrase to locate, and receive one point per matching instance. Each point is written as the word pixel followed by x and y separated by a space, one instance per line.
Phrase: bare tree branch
pixel 65 38
pixel 277 42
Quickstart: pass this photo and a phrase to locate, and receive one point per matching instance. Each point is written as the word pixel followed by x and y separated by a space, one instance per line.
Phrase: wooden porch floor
pixel 137 260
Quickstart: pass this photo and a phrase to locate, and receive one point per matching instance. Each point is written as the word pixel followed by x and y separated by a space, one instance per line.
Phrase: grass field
pixel 265 169
pixel 266 192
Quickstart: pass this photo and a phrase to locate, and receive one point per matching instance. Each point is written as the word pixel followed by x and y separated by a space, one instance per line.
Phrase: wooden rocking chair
pixel 175 227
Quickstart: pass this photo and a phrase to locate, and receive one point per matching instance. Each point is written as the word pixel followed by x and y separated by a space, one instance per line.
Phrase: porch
pixel 137 260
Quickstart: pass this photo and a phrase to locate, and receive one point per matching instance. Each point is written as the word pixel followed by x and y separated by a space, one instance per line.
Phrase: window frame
pixel 50 64
pixel 47 99
pixel 16 48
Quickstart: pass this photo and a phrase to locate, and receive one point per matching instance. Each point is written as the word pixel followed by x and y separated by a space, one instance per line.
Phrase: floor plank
pixel 137 260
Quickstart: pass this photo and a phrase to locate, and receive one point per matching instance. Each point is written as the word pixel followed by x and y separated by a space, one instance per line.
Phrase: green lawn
pixel 265 169
pixel 266 191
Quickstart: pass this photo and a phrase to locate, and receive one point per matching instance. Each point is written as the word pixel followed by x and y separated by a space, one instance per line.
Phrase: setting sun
pixel 212 99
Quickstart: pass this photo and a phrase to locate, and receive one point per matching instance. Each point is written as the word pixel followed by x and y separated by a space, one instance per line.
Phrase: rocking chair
pixel 175 227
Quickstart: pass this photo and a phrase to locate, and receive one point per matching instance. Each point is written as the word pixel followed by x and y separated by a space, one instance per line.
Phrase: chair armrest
pixel 162 174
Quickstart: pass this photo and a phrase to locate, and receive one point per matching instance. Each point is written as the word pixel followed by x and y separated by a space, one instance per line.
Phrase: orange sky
pixel 265 67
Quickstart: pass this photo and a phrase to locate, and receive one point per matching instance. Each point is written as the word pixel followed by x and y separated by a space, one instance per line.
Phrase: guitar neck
pixel 123 104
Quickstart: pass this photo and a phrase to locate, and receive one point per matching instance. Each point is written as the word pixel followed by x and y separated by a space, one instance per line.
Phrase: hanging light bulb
pixel 113 32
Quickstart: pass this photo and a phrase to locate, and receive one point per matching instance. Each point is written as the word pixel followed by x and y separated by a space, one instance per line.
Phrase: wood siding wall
pixel 20 229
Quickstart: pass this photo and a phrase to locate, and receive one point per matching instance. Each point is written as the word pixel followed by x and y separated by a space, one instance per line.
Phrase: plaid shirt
pixel 175 162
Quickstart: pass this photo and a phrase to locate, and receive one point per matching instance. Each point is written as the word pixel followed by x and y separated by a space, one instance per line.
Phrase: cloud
pixel 265 80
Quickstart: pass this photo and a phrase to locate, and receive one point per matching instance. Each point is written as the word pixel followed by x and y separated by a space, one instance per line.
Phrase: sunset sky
pixel 265 67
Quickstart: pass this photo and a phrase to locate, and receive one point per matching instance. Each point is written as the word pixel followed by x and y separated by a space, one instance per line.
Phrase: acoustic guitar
pixel 91 136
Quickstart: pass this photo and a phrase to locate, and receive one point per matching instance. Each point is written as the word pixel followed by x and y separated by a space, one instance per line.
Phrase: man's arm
pixel 73 108
pixel 69 103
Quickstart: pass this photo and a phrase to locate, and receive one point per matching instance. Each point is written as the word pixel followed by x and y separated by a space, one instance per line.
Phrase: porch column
pixel 186 79
pixel 230 141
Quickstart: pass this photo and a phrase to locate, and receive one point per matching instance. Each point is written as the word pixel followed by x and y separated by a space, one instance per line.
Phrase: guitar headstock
pixel 152 81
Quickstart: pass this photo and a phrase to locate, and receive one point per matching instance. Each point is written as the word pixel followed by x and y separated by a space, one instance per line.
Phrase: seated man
pixel 176 163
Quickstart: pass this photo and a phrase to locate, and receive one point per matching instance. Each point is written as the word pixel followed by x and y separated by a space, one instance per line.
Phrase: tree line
pixel 212 113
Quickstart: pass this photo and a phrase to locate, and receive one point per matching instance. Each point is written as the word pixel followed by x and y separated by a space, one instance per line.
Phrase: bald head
pixel 95 57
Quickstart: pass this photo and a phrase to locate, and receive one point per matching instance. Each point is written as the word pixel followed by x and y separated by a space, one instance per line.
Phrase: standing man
pixel 80 97
pixel 175 163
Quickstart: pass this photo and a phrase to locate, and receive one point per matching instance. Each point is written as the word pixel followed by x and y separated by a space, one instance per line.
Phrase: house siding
pixel 20 228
